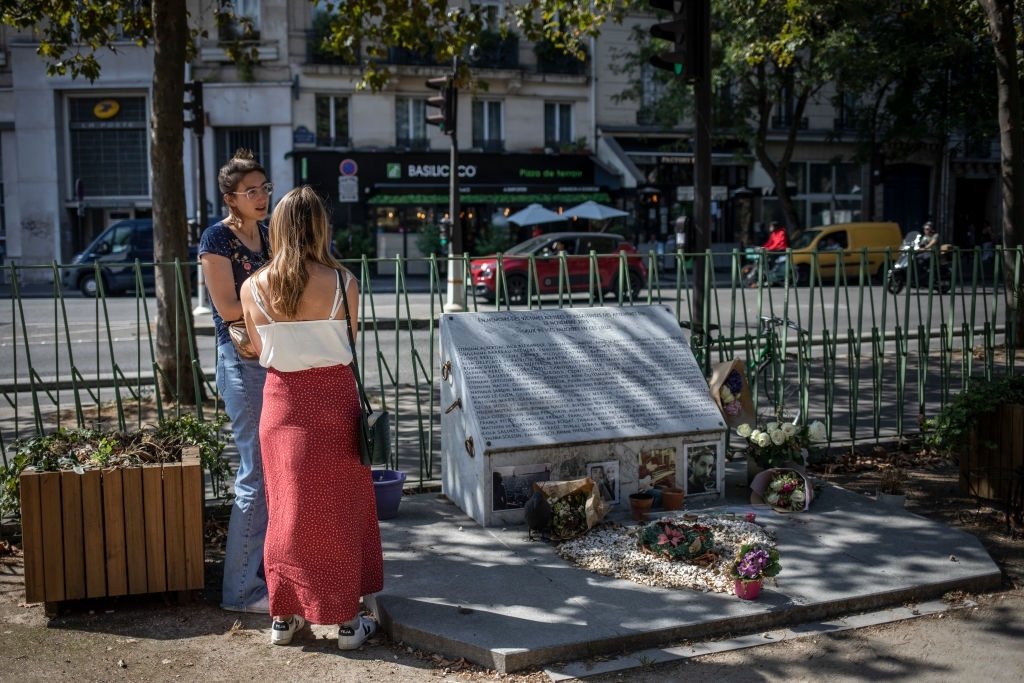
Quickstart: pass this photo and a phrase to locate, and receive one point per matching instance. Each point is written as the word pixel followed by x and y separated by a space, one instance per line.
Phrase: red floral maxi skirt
pixel 322 551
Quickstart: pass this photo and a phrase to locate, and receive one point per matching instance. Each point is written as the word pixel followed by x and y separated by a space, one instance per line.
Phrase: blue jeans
pixel 240 383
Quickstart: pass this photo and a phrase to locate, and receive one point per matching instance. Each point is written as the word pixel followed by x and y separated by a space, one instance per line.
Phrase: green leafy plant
pixel 492 241
pixel 676 541
pixel 949 431
pixel 82 449
pixel 353 243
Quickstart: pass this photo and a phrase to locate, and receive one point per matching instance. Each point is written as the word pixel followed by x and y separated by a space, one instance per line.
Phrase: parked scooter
pixel 911 256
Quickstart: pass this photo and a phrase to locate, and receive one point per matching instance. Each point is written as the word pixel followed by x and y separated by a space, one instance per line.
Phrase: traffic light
pixel 195 105
pixel 446 102
pixel 688 31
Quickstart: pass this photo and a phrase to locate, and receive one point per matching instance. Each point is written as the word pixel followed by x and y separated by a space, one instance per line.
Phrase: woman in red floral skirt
pixel 322 552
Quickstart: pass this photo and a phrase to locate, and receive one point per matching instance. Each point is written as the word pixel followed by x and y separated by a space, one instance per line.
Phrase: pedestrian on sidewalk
pixel 323 551
pixel 230 251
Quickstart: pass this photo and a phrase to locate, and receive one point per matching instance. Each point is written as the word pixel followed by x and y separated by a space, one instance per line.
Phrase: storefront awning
pixel 476 198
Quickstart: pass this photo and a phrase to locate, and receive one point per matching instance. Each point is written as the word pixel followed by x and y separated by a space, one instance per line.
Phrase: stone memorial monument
pixel 614 393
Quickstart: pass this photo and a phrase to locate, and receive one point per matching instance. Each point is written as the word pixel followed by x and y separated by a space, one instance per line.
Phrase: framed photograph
pixel 704 472
pixel 512 486
pixel 657 468
pixel 606 476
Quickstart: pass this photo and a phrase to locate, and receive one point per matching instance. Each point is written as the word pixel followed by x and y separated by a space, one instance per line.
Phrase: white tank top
pixel 291 346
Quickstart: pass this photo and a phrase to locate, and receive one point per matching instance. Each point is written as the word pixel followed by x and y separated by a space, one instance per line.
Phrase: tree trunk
pixel 170 228
pixel 1000 15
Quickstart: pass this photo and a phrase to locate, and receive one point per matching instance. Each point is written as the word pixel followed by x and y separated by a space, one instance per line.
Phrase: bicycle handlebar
pixel 768 321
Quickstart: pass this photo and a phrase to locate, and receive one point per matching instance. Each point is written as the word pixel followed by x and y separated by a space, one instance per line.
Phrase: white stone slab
pixel 538 378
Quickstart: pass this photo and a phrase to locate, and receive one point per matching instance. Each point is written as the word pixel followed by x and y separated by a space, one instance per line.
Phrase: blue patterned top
pixel 220 240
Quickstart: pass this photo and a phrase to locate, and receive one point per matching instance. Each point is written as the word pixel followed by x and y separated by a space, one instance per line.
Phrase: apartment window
pixel 256 140
pixel 785 107
pixel 332 121
pixel 410 122
pixel 652 91
pixel 109 146
pixel 557 124
pixel 244 23
pixel 492 12
pixel 487 125
pixel 846 111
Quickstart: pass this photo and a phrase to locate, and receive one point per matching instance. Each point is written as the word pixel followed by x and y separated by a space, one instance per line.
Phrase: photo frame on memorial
pixel 606 478
pixel 512 486
pixel 703 472
pixel 657 468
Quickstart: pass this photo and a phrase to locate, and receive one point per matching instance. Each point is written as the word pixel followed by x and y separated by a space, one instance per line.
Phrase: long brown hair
pixel 299 231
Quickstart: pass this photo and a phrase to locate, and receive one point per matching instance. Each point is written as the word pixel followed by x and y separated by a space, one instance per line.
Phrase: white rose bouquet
pixel 785 490
pixel 777 443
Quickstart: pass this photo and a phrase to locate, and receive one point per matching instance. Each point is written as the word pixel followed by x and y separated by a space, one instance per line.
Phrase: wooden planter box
pixel 994 451
pixel 113 532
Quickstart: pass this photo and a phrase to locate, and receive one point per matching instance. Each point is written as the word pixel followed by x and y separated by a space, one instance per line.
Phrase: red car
pixel 546 249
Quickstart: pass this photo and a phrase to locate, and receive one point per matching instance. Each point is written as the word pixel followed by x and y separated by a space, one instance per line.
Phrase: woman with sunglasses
pixel 230 251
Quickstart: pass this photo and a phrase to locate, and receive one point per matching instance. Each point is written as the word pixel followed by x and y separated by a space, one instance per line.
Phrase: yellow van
pixel 842 243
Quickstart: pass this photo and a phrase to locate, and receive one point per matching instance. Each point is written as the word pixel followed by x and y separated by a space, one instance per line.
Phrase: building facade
pixel 74 155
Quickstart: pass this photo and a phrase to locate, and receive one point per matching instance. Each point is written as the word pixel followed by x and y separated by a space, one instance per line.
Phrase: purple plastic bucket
pixel 387 486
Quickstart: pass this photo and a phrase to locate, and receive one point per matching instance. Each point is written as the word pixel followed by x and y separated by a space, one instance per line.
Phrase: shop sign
pixel 348 189
pixel 438 171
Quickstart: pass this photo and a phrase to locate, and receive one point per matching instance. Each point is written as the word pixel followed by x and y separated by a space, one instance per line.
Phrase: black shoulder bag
pixel 374 425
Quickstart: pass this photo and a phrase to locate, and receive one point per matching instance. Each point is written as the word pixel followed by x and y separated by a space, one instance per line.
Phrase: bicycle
pixel 769 368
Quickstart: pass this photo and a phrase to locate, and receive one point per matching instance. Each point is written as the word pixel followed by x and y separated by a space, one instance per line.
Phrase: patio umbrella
pixel 535 214
pixel 591 210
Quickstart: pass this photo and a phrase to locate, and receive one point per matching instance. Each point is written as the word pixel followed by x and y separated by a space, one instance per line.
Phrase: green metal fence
pixel 871 364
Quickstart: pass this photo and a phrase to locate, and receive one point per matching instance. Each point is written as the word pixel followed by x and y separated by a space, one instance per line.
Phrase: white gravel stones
pixel 614 550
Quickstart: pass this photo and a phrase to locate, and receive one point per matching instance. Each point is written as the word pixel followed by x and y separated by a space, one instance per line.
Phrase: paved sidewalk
pixel 500 600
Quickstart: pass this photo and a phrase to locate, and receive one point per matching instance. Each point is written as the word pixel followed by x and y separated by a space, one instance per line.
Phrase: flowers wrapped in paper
pixel 731 392
pixel 576 506
pixel 784 489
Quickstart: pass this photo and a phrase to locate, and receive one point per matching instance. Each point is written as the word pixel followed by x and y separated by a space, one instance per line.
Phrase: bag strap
pixel 352 345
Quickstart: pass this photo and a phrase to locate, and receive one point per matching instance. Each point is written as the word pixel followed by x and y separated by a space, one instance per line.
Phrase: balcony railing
pixel 317 54
pixel 497 52
pixel 405 57
pixel 552 60
pixel 487 145
pixel 785 121
pixel 414 144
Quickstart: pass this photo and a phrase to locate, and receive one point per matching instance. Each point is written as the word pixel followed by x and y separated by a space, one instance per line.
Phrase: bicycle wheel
pixel 778 388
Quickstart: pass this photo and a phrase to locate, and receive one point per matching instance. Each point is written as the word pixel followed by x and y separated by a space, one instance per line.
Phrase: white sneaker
pixel 351 637
pixel 281 632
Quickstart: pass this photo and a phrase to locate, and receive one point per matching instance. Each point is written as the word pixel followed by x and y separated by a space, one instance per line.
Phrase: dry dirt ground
pixel 158 638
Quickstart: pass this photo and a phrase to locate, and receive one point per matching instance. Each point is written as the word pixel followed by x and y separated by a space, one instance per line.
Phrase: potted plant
pixel 113 513
pixel 388 488
pixel 640 503
pixel 983 428
pixel 753 564
pixel 891 487
pixel 779 444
